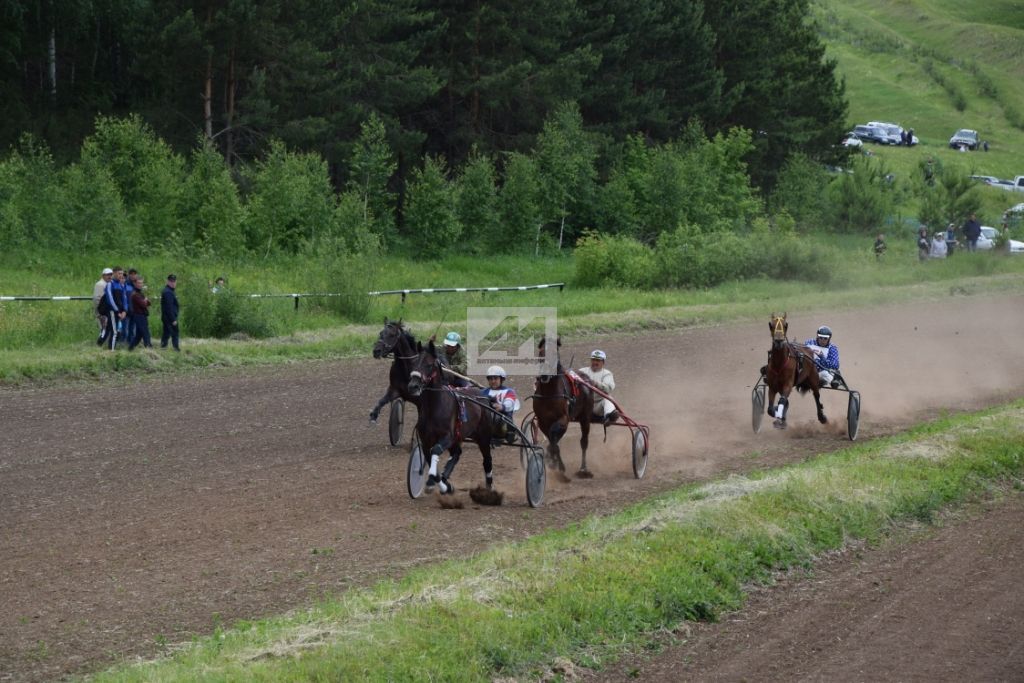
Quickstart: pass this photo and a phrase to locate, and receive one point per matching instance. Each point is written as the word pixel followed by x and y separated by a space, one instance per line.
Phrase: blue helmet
pixel 452 339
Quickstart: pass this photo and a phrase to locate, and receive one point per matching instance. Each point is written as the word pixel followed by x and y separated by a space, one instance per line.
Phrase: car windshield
pixel 964 133
pixel 989 232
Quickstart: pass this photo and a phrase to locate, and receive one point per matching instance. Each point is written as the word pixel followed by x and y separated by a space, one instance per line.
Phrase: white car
pixel 851 140
pixel 1015 246
pixel 987 238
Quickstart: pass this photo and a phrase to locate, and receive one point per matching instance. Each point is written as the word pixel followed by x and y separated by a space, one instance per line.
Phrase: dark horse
pixel 558 400
pixel 395 339
pixel 446 416
pixel 790 365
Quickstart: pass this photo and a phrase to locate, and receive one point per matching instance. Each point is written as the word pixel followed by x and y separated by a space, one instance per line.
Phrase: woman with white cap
pixel 602 378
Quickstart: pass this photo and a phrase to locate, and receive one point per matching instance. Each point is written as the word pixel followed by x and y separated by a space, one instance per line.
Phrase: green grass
pixel 607 583
pixel 882 48
pixel 44 341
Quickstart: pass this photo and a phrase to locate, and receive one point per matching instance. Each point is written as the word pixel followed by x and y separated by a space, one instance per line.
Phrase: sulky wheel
pixel 853 415
pixel 640 445
pixel 416 478
pixel 529 429
pixel 757 397
pixel 396 421
pixel 536 477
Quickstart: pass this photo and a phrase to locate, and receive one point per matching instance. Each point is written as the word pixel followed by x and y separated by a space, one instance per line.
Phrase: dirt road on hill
pixel 137 516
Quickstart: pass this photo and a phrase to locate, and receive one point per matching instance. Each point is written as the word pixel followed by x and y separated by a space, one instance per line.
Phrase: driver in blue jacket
pixel 826 356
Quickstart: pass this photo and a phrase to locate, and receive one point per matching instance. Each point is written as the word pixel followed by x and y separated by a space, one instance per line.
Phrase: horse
pixel 558 400
pixel 790 365
pixel 395 339
pixel 447 416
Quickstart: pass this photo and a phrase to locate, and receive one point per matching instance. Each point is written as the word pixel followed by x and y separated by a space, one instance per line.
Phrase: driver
pixel 454 358
pixel 503 399
pixel 602 378
pixel 826 356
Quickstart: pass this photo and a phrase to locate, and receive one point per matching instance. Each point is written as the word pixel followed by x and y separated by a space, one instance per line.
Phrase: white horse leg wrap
pixel 779 410
pixel 433 465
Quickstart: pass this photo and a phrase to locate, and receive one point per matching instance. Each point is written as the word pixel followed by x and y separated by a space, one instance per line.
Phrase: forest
pixel 244 126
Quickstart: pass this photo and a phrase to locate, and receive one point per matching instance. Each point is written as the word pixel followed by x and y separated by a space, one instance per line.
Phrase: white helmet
pixel 496 371
pixel 598 354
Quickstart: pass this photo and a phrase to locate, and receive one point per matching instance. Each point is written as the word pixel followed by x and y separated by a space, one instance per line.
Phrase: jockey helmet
pixel 452 339
pixel 598 354
pixel 496 371
pixel 825 332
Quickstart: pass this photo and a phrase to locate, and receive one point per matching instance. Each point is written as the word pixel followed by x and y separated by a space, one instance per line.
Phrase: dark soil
pixel 138 514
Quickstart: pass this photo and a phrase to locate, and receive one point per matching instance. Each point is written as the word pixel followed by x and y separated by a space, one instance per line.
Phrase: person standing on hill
pixel 169 313
pixel 880 246
pixel 972 231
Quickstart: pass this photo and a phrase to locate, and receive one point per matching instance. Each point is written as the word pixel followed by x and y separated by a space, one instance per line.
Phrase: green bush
pixel 218 315
pixel 351 277
pixel 603 260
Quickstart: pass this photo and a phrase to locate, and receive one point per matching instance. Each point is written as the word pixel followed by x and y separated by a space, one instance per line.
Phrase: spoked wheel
pixel 396 421
pixel 757 397
pixel 536 477
pixel 416 478
pixel 853 415
pixel 640 438
pixel 529 429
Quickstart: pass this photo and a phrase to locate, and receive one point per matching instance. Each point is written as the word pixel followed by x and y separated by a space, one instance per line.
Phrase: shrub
pixel 352 277
pixel 220 315
pixel 604 260
pixel 430 211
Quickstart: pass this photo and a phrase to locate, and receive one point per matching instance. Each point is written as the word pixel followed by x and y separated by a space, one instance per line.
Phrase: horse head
pixel 779 326
pixel 426 370
pixel 388 338
pixel 545 377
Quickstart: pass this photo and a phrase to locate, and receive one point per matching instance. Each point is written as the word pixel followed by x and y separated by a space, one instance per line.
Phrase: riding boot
pixel 611 417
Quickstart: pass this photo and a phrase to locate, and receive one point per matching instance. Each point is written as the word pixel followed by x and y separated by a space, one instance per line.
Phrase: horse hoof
pixel 445 487
pixel 584 474
pixel 823 420
pixel 779 424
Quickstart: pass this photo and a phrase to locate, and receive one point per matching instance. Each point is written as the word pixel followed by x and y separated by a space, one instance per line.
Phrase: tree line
pixel 448 80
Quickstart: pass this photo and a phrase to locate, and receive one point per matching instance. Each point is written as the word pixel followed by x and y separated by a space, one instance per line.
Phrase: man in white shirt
pixel 602 378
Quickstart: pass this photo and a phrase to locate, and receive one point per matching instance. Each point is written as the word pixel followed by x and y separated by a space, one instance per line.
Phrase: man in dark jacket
pixel 169 313
pixel 116 305
pixel 972 231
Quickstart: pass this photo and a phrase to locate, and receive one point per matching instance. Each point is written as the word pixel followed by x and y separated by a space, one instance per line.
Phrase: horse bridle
pixel 387 350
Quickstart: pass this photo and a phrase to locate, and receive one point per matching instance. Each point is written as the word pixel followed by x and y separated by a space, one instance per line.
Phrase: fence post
pixel 296 297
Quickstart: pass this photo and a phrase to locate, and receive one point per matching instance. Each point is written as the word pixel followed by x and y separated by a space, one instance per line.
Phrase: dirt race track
pixel 143 514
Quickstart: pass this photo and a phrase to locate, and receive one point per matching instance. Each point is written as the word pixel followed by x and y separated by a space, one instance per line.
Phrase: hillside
pixel 935 66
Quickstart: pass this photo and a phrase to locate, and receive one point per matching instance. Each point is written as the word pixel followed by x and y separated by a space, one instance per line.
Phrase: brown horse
pixel 558 400
pixel 446 416
pixel 790 366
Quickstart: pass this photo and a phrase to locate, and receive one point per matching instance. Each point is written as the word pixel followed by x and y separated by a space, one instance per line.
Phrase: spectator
pixel 923 245
pixel 880 246
pixel 129 320
pixel 218 285
pixel 951 242
pixel 116 305
pixel 140 316
pixel 169 313
pixel 929 172
pixel 938 248
pixel 972 231
pixel 99 306
pixel 984 145
pixel 910 137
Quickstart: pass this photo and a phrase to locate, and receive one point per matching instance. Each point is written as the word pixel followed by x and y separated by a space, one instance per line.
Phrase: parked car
pixel 987 179
pixel 987 238
pixel 851 140
pixel 871 134
pixel 1003 184
pixel 893 132
pixel 1015 246
pixel 965 137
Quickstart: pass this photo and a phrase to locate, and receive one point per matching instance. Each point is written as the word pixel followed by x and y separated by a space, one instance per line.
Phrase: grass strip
pixel 737 301
pixel 589 590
